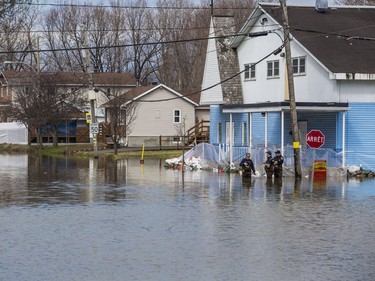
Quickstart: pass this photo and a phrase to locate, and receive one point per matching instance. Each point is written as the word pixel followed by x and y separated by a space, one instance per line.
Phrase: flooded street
pixel 97 220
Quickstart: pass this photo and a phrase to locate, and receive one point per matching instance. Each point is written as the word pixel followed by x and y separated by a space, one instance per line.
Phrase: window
pixel 249 71
pixel 299 65
pixel 244 133
pixel 157 114
pixel 273 69
pixel 177 116
pixel 219 133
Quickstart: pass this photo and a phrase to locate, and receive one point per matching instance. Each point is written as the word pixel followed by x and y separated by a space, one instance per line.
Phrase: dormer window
pixel 299 66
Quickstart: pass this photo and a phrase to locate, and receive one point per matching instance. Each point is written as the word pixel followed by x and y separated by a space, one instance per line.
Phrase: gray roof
pixel 227 59
pixel 341 38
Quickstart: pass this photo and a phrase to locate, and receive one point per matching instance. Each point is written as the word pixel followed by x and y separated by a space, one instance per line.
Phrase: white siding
pixel 211 74
pixel 156 118
pixel 315 86
pixel 357 91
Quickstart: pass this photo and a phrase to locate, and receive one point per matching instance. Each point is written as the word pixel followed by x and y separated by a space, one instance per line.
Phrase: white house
pixel 333 57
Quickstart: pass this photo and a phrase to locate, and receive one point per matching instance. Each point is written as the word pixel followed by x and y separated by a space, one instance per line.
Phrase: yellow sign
pixel 296 144
pixel 320 169
pixel 88 118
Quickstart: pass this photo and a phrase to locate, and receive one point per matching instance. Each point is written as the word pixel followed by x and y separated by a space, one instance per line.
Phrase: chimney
pixel 321 5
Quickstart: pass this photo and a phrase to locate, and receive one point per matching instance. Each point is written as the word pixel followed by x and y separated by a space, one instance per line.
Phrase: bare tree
pixel 181 61
pixel 16 37
pixel 26 106
pixel 42 105
pixel 64 31
pixel 142 39
pixel 121 111
pixel 61 104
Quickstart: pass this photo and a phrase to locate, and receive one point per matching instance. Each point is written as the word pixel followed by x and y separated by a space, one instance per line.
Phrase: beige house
pixel 163 117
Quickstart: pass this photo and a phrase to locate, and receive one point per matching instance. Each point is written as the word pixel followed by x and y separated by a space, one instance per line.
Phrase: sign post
pixel 94 129
pixel 315 139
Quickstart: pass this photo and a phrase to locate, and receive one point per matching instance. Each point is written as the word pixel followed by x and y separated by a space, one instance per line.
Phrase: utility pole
pixel 91 96
pixel 292 99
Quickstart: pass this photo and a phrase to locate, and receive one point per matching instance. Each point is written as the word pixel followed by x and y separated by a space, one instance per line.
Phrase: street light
pixel 22 63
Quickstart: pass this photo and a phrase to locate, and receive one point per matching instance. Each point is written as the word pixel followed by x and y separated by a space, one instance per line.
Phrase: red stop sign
pixel 315 139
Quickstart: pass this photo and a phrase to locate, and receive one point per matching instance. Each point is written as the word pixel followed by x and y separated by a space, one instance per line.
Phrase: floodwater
pixel 63 219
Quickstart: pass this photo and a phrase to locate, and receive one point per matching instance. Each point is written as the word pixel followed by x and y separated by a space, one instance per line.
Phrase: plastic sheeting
pixel 15 133
pixel 221 154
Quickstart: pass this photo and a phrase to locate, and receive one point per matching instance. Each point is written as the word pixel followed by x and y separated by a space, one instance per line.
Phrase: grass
pixel 163 154
pixel 86 151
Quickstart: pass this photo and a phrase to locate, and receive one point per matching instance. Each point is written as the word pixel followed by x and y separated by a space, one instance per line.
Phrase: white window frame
pixel 250 72
pixel 243 133
pixel 175 116
pixel 273 69
pixel 229 133
pixel 298 67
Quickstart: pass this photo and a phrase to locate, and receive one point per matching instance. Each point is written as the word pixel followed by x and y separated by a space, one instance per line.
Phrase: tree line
pixel 164 42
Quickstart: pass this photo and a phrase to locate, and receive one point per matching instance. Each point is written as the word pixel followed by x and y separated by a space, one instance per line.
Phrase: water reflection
pixel 46 180
pixel 103 220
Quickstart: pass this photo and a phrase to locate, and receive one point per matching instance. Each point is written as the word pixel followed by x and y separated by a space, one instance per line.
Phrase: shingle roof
pixel 119 79
pixel 135 93
pixel 227 59
pixel 331 36
pixel 77 78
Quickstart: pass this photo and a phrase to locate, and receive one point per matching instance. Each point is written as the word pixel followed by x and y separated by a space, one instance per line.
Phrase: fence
pixel 308 155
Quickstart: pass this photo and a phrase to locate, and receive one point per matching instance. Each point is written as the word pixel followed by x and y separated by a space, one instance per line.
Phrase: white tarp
pixel 14 132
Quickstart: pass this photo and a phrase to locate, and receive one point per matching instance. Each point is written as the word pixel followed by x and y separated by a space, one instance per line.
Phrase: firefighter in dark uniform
pixel 247 166
pixel 278 161
pixel 268 165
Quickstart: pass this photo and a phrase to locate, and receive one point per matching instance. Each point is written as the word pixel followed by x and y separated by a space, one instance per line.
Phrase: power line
pixel 337 35
pixel 122 45
pixel 130 6
pixel 217 84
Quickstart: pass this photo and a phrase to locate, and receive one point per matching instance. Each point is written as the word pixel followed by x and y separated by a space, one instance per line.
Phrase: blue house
pixel 333 58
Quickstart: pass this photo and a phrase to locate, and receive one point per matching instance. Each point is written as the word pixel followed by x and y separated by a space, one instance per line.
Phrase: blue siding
pixel 323 121
pixel 360 136
pixel 216 117
pixel 258 129
pixel 339 119
pixel 273 132
pixel 274 128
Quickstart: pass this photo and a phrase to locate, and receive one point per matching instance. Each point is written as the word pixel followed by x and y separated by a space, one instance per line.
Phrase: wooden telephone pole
pixel 292 99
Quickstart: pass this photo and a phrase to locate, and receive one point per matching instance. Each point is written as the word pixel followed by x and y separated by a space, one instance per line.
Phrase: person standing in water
pixel 247 167
pixel 268 165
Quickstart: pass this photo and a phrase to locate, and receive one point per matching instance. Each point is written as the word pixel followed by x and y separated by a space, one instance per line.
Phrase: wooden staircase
pixel 198 134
